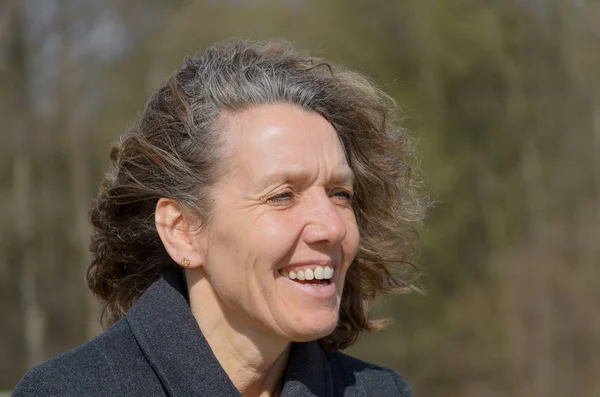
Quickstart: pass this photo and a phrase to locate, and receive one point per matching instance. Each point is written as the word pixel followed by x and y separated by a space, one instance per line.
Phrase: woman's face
pixel 282 211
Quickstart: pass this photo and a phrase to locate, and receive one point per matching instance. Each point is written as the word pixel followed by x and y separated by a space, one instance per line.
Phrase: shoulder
pixel 375 380
pixel 92 369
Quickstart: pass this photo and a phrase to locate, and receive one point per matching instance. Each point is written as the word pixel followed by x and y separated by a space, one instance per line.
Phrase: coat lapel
pixel 171 341
pixel 308 372
pixel 173 344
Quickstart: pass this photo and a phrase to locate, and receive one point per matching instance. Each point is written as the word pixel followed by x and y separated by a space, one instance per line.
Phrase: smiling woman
pixel 251 213
pixel 284 205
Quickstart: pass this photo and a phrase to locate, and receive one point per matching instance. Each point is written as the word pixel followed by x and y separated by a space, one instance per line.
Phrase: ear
pixel 179 233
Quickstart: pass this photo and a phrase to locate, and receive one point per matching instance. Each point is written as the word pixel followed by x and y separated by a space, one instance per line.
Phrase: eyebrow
pixel 343 176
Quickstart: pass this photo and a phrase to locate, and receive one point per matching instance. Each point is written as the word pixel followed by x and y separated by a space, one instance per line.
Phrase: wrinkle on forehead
pixel 283 142
pixel 290 174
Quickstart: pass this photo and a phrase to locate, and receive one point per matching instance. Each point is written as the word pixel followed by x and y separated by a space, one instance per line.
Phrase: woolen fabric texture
pixel 159 350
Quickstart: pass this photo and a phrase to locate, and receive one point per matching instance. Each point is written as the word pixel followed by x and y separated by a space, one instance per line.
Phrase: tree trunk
pixel 73 126
pixel 34 324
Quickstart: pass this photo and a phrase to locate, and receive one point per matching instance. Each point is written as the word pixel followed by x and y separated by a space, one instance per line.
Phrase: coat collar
pixel 171 341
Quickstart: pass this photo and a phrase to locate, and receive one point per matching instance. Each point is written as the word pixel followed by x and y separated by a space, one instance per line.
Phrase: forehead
pixel 282 138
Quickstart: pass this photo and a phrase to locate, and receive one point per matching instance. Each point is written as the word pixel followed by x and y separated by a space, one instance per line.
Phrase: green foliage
pixel 504 98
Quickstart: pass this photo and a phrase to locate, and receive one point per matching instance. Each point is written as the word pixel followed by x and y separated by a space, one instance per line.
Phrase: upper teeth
pixel 319 273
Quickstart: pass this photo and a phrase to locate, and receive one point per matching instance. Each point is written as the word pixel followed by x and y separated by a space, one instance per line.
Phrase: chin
pixel 316 328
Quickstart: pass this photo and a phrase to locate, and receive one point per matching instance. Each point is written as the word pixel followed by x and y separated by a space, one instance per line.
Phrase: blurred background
pixel 504 97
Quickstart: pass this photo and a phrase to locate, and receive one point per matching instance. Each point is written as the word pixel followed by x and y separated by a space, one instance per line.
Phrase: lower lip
pixel 323 291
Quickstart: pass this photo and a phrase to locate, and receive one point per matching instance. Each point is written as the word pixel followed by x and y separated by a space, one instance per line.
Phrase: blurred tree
pixel 504 96
pixel 24 218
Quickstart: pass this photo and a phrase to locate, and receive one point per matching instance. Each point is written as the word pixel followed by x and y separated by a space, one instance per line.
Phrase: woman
pixel 251 213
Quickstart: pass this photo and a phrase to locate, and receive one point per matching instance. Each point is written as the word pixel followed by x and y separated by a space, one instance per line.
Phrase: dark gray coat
pixel 158 350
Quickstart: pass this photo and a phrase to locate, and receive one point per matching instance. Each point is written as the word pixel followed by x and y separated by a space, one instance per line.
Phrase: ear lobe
pixel 179 233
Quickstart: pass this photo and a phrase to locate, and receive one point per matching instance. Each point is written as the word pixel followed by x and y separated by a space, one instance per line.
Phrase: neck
pixel 255 362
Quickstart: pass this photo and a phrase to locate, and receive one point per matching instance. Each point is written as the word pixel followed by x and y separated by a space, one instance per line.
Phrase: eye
pixel 282 198
pixel 343 196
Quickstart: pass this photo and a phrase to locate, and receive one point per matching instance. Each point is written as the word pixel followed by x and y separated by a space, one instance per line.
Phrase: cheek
pixel 275 234
pixel 351 242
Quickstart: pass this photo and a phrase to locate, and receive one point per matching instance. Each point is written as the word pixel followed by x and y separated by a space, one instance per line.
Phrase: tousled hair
pixel 174 150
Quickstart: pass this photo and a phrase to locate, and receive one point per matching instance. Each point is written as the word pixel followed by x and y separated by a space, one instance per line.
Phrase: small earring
pixel 185 262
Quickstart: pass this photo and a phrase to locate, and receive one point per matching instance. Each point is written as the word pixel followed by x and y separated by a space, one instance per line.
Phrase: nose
pixel 324 223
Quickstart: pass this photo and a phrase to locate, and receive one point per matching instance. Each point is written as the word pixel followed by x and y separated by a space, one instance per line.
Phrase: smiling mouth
pixel 314 275
pixel 313 282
